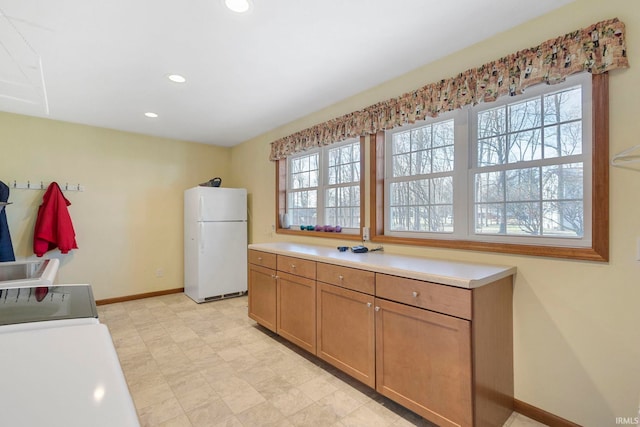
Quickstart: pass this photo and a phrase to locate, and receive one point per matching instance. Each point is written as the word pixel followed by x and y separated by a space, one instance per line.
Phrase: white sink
pixel 28 273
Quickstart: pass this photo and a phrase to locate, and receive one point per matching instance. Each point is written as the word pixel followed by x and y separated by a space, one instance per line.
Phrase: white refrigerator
pixel 215 243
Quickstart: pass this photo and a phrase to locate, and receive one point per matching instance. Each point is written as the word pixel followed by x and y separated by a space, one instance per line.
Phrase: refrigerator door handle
pixel 201 237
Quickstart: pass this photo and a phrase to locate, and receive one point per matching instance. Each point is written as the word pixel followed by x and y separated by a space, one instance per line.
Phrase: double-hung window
pixel 509 175
pixel 531 166
pixel 420 179
pixel 342 185
pixel 302 188
pixel 323 188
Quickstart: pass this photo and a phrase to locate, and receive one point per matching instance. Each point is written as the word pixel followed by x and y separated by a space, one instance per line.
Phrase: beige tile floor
pixel 191 364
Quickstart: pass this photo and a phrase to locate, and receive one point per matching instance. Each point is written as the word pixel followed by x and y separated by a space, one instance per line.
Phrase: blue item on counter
pixel 6 247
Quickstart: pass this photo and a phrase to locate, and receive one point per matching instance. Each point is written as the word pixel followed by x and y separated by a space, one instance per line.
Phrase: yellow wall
pixel 128 221
pixel 577 349
pixel 577 346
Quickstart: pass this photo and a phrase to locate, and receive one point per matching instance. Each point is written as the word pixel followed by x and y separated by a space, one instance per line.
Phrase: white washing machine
pixel 59 365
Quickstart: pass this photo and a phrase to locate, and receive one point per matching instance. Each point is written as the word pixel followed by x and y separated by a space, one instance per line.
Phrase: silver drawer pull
pixel 293 266
pixel 415 294
pixel 259 258
pixel 368 304
pixel 377 309
pixel 341 277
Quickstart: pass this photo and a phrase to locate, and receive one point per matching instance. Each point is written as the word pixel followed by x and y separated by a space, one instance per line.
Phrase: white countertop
pixel 453 273
pixel 65 376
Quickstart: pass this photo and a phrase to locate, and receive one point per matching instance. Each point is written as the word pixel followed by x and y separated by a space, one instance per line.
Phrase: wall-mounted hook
pixel 43 186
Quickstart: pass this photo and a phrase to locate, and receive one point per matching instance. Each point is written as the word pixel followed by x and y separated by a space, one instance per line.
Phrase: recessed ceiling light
pixel 177 78
pixel 151 115
pixel 238 6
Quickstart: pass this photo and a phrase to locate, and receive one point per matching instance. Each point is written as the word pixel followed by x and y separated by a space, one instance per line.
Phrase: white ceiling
pixel 104 62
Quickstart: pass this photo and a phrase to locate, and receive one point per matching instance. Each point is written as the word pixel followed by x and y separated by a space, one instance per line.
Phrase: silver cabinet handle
pixel 273 276
pixel 276 277
pixel 259 258
pixel 415 294
pixel 368 304
pixel 377 309
pixel 341 277
pixel 293 266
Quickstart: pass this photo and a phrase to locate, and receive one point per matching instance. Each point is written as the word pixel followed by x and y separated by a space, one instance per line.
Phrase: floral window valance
pixel 596 49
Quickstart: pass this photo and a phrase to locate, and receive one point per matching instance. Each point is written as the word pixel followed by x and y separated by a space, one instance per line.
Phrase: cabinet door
pixel 346 333
pixel 424 362
pixel 297 310
pixel 262 296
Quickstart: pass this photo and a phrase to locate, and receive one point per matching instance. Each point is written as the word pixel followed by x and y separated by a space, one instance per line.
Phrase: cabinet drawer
pixel 297 266
pixel 264 259
pixel 443 299
pixel 350 278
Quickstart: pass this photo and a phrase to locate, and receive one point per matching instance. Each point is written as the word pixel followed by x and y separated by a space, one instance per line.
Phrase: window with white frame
pixel 517 170
pixel 529 165
pixel 421 178
pixel 323 187
pixel 302 188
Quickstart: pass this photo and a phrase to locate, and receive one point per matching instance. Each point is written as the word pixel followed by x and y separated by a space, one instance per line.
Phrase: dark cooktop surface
pixel 42 303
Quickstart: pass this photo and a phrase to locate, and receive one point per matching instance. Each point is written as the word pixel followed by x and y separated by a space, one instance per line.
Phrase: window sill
pixel 322 234
pixel 586 254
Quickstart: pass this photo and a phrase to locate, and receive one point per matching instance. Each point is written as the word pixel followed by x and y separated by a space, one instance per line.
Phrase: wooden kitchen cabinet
pixel 423 362
pixel 442 350
pixel 282 296
pixel 296 307
pixel 262 290
pixel 346 333
pixel 454 367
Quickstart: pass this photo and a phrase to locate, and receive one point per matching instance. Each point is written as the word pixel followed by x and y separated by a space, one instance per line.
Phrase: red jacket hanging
pixel 53 225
